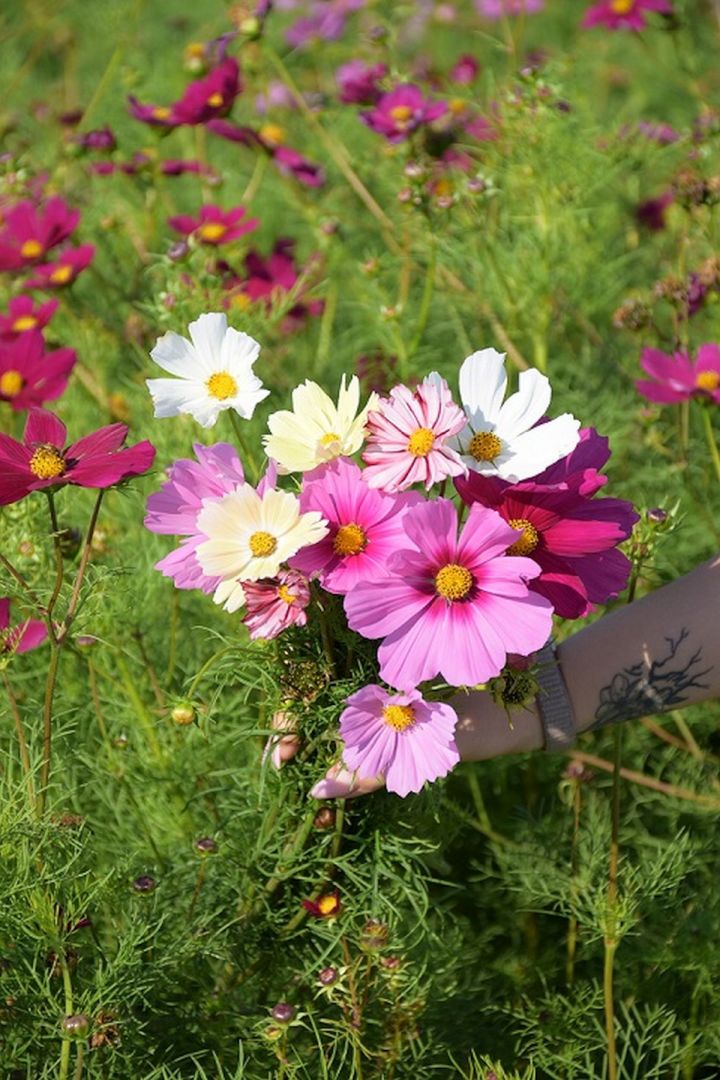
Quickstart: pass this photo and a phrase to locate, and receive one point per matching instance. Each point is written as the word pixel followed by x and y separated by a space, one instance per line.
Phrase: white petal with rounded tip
pixel 482 385
pixel 174 396
pixel 238 351
pixel 523 409
pixel 230 594
pixel 534 450
pixel 176 355
pixel 208 333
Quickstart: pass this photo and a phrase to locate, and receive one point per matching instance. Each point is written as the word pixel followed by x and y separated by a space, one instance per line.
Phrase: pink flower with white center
pixel 23 314
pixel 213 225
pixel 408 437
pixel 57 275
pixel 401 111
pixel 678 378
pixel 399 736
pixel 453 605
pixel 274 604
pixel 22 637
pixel 365 526
pixel 624 14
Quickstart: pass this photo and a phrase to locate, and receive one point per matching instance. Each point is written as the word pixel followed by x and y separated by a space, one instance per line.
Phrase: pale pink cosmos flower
pixel 408 437
pixel 274 604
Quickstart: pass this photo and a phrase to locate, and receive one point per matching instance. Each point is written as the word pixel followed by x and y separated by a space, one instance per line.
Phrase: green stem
pixel 32 596
pixel 68 1005
pixel 248 456
pixel 50 684
pixel 426 299
pixel 22 741
pixel 59 568
pixel 138 705
pixel 712 444
pixel 611 929
pixel 79 577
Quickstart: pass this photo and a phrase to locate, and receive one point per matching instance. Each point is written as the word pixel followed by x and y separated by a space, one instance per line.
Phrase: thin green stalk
pixel 31 595
pixel 712 444
pixel 50 684
pixel 248 456
pixel 172 648
pixel 139 707
pixel 68 1005
pixel 426 300
pixel 611 927
pixel 572 933
pixel 22 741
pixel 59 565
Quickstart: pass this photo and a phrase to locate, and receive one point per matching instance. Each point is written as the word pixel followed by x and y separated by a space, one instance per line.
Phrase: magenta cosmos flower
pixel 677 378
pixel 292 163
pixel 174 509
pixel 497 9
pixel 24 314
pixel 30 376
pixel 270 279
pixel 43 460
pixel 399 736
pixel 358 82
pixel 203 100
pixel 624 14
pixel 214 226
pixel 29 231
pixel 453 605
pixel 401 111
pixel 408 436
pixel 274 604
pixel 70 263
pixel 365 526
pixel 22 637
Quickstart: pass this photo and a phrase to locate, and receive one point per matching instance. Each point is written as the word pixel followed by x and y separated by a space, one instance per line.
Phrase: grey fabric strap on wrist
pixel 553 702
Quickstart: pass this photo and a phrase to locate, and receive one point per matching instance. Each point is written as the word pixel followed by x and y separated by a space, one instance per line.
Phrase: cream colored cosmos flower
pixel 317 430
pixel 249 536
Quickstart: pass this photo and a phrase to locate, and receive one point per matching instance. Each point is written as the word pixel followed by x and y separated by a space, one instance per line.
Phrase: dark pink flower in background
pixel 401 111
pixel 678 378
pixel 624 14
pixel 28 231
pixel 651 212
pixel 497 9
pixel 213 225
pixel 237 133
pixel 270 279
pixel 292 163
pixel 70 263
pixel 211 96
pixel 465 70
pixel 24 636
pixel 358 82
pixel 155 115
pixel 663 134
pixel 274 604
pixel 29 376
pixel 100 139
pixel 43 459
pixel 25 314
pixel 325 21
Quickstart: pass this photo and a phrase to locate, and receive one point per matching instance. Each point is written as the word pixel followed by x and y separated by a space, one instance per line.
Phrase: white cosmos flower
pixel 250 536
pixel 317 430
pixel 214 372
pixel 500 438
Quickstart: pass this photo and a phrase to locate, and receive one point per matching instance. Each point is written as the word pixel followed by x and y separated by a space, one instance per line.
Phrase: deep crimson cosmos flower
pixel 28 375
pixel 71 262
pixel 28 231
pixel 23 314
pixel 203 100
pixel 43 459
pixel 22 637
pixel 213 225
pixel 402 111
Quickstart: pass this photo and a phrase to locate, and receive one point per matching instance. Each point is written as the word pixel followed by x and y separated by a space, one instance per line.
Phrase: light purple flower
pixel 496 9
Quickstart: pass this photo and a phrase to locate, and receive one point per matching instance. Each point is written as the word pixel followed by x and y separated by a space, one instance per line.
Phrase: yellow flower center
pixel 349 539
pixel 11 383
pixel 457 106
pixel 31 249
pixel 215 100
pixel 221 385
pixel 285 594
pixel 24 322
pixel 241 301
pixel 273 134
pixel 262 544
pixel 528 539
pixel 398 717
pixel 421 442
pixel 401 114
pixel 330 438
pixel 622 7
pixel 161 112
pixel 195 50
pixel 327 904
pixel 484 446
pixel 453 581
pixel 708 381
pixel 212 230
pixel 47 462
pixel 62 274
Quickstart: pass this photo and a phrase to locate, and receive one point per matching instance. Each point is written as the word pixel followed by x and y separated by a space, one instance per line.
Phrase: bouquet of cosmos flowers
pixel 448 532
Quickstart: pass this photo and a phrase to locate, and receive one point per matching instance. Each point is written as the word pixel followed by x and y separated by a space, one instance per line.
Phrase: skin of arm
pixel 661 652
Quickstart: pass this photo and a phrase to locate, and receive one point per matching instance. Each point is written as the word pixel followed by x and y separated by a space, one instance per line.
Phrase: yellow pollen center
pixel 622 7
pixel 421 442
pixel 484 446
pixel 327 904
pixel 241 301
pixel 11 383
pixel 528 539
pixel 457 106
pixel 453 581
pixel 708 380
pixel 330 438
pixel 349 540
pixel 273 134
pixel 221 385
pixel 215 100
pixel 285 594
pixel 195 50
pixel 31 249
pixel 24 322
pixel 262 544
pixel 62 274
pixel 161 112
pixel 401 113
pixel 212 230
pixel 47 462
pixel 399 717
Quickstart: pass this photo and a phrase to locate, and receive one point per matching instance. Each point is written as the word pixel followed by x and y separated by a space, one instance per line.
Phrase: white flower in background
pixel 249 536
pixel 213 372
pixel 500 438
pixel 317 430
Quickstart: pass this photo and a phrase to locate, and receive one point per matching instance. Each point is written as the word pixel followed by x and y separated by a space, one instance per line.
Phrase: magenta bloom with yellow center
pixel 624 14
pixel 678 378
pixel 400 737
pixel 452 604
pixel 213 225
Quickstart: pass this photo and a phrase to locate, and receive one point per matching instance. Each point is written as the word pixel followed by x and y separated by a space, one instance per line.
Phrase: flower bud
pixel 283 1012
pixel 374 934
pixel 144 884
pixel 325 818
pixel 205 845
pixel 76 1026
pixel 328 976
pixel 183 714
pixel 178 250
pixel 657 515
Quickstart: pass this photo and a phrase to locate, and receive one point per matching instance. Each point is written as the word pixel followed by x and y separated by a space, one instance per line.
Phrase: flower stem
pixel 611 927
pixel 64 1071
pixel 22 741
pixel 247 454
pixel 426 299
pixel 712 444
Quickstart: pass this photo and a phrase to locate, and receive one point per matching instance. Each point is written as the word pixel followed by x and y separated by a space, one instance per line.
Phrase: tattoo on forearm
pixel 652 686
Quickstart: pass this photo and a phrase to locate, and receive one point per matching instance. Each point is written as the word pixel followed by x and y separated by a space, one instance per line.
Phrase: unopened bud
pixel 283 1012
pixel 657 515
pixel 328 976
pixel 205 845
pixel 76 1026
pixel 374 934
pixel 325 818
pixel 144 884
pixel 183 715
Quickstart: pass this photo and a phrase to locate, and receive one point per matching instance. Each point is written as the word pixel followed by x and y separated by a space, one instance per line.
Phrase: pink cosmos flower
pixel 325 21
pixel 275 604
pixel 22 637
pixel 624 14
pixel 71 262
pixel 677 378
pixel 43 460
pixel 453 605
pixel 24 314
pixel 496 9
pixel 465 70
pixel 358 82
pixel 213 225
pixel 174 509
pixel 28 232
pixel 29 375
pixel 203 100
pixel 292 163
pixel 399 736
pixel 407 437
pixel 365 526
pixel 401 111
